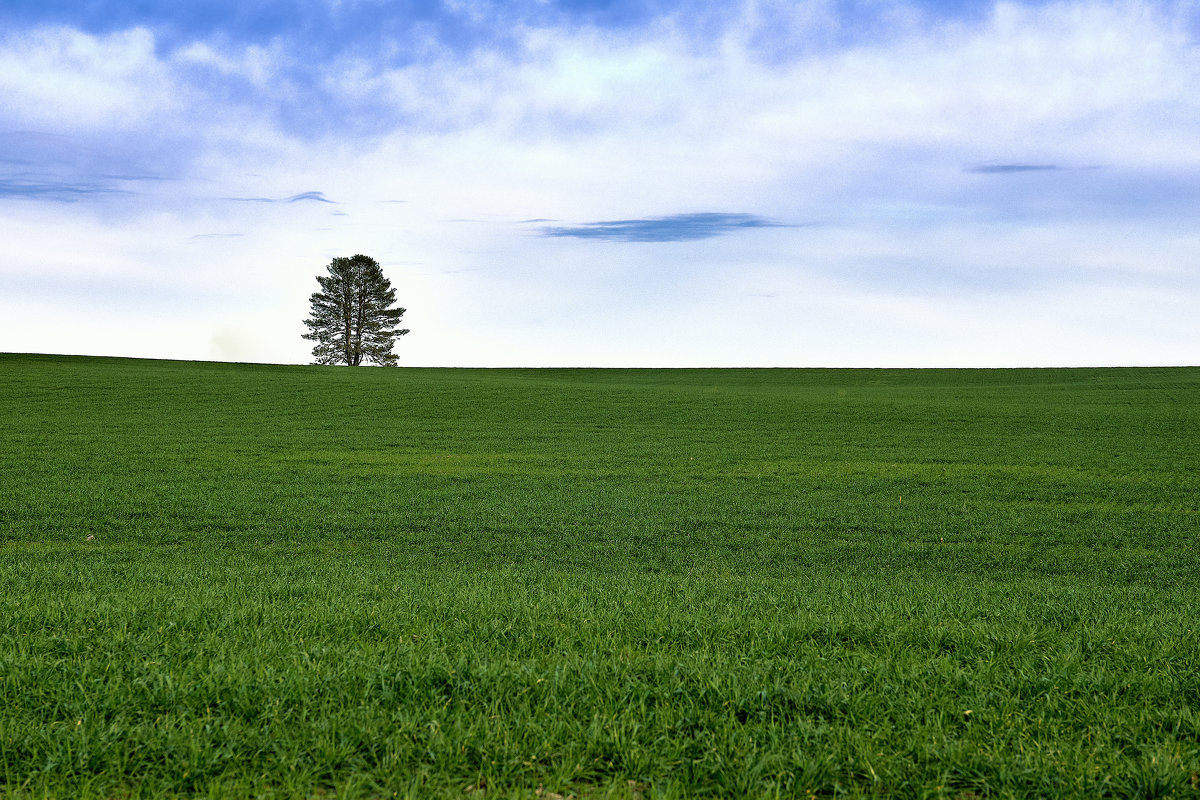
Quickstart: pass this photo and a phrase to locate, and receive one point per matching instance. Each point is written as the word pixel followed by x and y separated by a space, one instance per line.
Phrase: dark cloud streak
pixel 60 192
pixel 318 197
pixel 1008 169
pixel 673 228
pixel 63 169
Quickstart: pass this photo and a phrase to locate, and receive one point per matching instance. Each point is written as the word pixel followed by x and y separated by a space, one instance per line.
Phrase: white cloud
pixel 255 64
pixel 67 80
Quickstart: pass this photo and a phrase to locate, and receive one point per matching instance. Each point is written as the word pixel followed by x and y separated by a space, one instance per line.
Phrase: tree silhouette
pixel 353 318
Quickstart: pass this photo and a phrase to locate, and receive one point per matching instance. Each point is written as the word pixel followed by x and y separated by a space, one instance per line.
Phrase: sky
pixel 608 183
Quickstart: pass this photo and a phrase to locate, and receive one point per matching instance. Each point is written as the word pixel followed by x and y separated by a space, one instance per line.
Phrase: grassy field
pixel 325 582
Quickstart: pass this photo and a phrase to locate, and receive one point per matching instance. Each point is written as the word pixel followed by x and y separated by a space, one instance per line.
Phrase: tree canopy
pixel 354 317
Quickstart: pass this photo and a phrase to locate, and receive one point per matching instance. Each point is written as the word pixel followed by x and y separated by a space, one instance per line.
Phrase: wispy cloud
pixel 1006 169
pixel 133 177
pixel 318 197
pixel 673 228
pixel 66 168
pixel 57 191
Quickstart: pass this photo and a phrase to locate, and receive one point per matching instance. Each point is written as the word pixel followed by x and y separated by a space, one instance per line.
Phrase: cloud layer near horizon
pixel 823 183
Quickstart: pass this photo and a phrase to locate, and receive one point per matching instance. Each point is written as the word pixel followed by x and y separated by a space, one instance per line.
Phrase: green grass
pixel 325 582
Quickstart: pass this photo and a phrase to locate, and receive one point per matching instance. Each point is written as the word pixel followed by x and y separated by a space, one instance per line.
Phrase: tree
pixel 353 316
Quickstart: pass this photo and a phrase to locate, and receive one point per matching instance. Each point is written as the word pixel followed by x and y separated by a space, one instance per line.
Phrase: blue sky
pixel 654 183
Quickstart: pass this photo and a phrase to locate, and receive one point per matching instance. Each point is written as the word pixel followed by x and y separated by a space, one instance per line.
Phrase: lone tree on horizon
pixel 353 316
